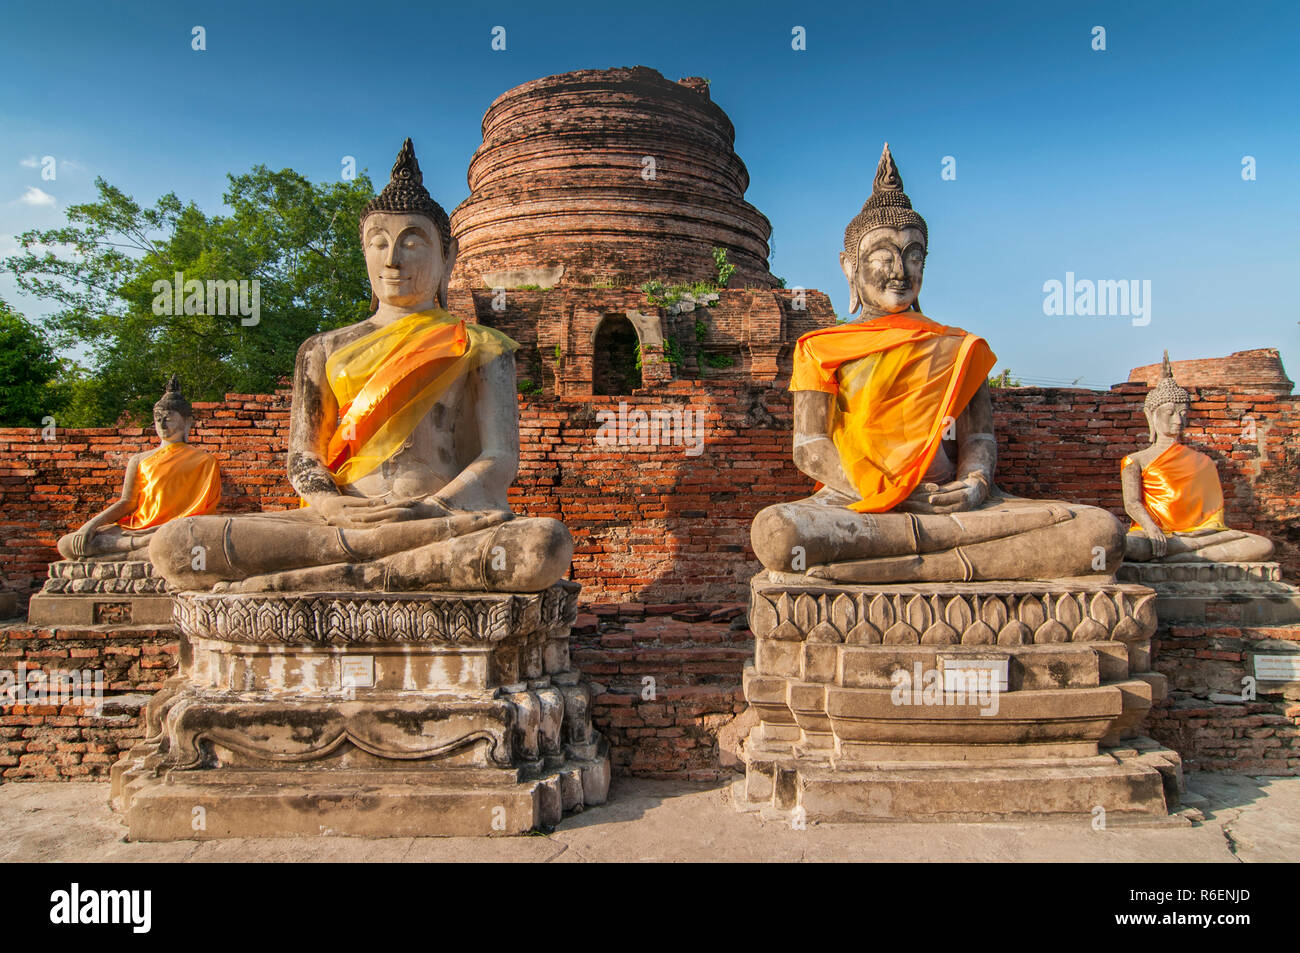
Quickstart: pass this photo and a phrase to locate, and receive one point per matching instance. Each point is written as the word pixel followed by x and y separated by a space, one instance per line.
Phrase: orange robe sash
pixel 387 381
pixel 899 380
pixel 1181 491
pixel 173 481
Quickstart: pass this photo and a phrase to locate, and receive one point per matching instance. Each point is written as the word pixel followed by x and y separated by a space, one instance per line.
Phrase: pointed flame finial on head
pixel 888 205
pixel 1166 390
pixel 405 192
pixel 407 168
pixel 887 177
pixel 173 399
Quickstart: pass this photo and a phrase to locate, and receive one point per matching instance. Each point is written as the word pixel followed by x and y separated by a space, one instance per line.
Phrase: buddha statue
pixel 1173 494
pixel 893 418
pixel 171 481
pixel 403 442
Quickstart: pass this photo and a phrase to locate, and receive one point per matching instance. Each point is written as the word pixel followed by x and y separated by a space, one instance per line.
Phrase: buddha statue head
pixel 172 415
pixel 406 237
pixel 884 247
pixel 1166 406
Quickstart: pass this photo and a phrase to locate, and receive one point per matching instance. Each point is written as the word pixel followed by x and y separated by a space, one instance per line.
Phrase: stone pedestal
pixel 101 592
pixel 961 701
pixel 1217 593
pixel 369 714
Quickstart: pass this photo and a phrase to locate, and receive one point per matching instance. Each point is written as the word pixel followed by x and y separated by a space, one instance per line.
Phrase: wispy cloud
pixel 36 198
pixel 65 165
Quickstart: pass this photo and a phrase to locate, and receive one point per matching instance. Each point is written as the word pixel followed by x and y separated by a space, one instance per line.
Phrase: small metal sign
pixel 1278 668
pixel 358 671
pixel 974 674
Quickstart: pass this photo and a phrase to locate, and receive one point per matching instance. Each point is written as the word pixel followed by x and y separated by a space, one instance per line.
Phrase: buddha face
pixel 1168 420
pixel 404 259
pixel 171 425
pixel 886 276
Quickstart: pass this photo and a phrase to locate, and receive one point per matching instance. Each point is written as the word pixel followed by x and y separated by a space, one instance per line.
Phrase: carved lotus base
pixel 909 689
pixel 120 576
pixel 1225 593
pixel 101 592
pixel 367 713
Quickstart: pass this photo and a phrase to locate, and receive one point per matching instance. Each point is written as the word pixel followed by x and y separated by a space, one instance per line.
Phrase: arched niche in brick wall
pixel 615 342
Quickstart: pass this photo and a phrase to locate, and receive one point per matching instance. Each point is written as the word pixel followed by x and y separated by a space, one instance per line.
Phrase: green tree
pixel 296 238
pixel 27 368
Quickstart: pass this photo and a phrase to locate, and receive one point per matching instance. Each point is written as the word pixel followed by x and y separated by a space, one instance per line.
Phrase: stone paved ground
pixel 1246 819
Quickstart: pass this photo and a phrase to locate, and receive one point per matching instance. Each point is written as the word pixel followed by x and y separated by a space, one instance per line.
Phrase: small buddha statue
pixel 1173 494
pixel 171 481
pixel 892 416
pixel 403 442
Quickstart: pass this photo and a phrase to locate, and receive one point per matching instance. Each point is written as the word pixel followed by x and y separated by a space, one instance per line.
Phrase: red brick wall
pixel 756 329
pixel 1257 370
pixel 652 524
pixel 58 742
pixel 1067 444
pixel 1205 665
pixel 664 686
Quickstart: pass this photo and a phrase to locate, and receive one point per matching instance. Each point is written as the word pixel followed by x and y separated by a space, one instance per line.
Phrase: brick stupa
pixel 610 175
pixel 591 186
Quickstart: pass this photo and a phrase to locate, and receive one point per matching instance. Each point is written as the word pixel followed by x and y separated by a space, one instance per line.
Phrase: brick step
pixel 1285 632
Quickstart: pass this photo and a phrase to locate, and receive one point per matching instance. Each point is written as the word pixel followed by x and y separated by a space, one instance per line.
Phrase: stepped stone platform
pixel 964 701
pixel 101 592
pixel 1224 593
pixel 375 714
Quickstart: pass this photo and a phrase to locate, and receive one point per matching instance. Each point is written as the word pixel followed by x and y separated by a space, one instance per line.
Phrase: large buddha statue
pixel 403 442
pixel 892 416
pixel 1173 493
pixel 171 481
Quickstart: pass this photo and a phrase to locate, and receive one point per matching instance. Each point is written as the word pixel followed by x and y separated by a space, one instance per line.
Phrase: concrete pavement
pixel 1245 820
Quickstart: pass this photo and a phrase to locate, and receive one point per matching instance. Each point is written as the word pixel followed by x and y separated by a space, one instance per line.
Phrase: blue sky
pixel 1116 165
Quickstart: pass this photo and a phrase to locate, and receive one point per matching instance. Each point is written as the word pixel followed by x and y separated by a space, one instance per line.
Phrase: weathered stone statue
pixel 404 440
pixel 909 573
pixel 172 481
pixel 393 658
pixel 1173 493
pixel 892 415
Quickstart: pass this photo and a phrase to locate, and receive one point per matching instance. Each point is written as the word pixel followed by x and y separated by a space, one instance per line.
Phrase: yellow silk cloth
pixel 386 382
pixel 1181 491
pixel 900 380
pixel 173 481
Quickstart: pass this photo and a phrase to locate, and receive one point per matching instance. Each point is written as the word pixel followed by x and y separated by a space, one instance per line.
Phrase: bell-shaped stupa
pixel 614 176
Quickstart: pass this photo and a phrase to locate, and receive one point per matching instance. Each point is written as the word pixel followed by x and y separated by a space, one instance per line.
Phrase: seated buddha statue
pixel 171 481
pixel 892 416
pixel 1173 494
pixel 403 442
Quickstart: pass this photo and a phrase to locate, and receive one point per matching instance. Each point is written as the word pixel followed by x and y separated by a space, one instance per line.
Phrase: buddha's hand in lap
pixel 80 542
pixel 354 512
pixel 955 497
pixel 1159 542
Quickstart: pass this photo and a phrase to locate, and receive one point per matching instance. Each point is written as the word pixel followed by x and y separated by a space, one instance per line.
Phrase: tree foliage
pixel 27 369
pixel 297 238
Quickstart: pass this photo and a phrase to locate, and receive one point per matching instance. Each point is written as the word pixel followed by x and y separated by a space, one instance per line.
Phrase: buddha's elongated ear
pixel 850 269
pixel 453 247
pixel 374 302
